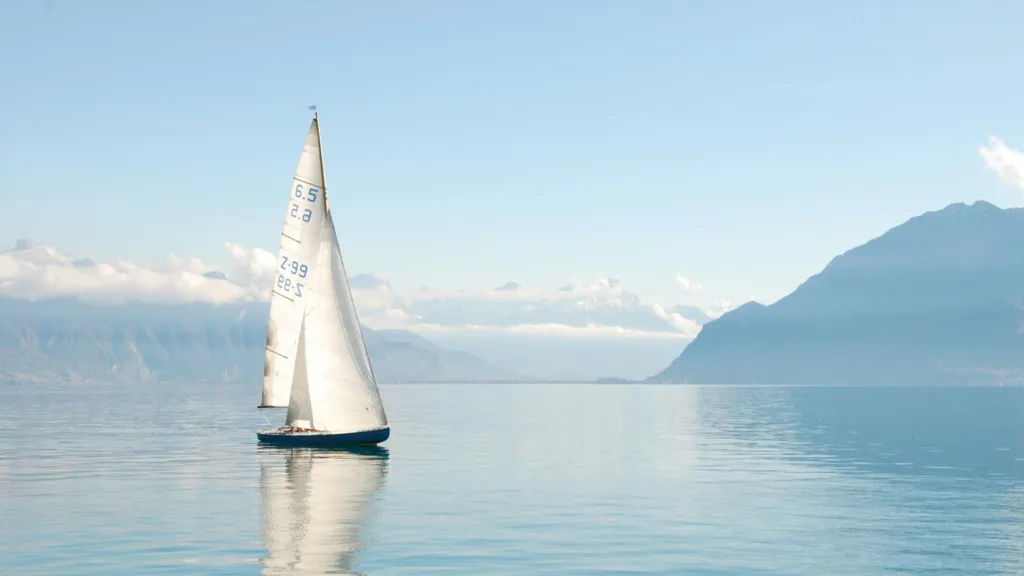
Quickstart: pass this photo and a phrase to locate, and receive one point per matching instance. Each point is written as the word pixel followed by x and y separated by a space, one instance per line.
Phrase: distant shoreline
pixel 8 381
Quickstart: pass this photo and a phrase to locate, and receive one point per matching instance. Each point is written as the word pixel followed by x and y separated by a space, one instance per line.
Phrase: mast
pixel 323 173
pixel 327 214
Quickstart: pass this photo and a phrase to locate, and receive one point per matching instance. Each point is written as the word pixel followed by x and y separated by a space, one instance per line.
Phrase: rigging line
pixel 269 349
pixel 265 419
pixel 288 298
pixel 308 183
pixel 355 313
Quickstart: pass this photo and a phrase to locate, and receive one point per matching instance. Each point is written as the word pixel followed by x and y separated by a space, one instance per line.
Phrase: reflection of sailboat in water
pixel 315 507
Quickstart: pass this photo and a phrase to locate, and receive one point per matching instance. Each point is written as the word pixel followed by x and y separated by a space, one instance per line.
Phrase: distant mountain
pixel 556 358
pixel 936 300
pixel 402 356
pixel 65 339
pixel 614 380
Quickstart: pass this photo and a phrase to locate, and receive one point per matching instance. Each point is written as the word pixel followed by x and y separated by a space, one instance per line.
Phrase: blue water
pixel 572 479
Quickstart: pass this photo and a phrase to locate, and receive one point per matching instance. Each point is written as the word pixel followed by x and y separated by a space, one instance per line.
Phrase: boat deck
pixel 291 436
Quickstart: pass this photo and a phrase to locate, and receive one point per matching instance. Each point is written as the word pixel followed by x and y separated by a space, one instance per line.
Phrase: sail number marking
pixel 294 266
pixel 288 286
pixel 305 216
pixel 309 194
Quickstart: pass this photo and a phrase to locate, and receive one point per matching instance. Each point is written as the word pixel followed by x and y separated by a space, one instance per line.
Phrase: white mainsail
pixel 316 361
pixel 315 508
pixel 296 271
pixel 334 389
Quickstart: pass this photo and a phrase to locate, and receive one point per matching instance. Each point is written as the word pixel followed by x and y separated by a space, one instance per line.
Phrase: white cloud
pixel 688 286
pixel 605 288
pixel 37 272
pixel 601 309
pixel 681 323
pixel 190 265
pixel 252 266
pixel 554 329
pixel 719 307
pixel 1004 161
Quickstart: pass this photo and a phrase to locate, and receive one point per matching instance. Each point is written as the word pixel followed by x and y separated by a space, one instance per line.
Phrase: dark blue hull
pixel 307 440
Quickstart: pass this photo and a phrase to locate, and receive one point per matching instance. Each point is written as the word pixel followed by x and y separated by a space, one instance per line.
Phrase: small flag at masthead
pixel 313 108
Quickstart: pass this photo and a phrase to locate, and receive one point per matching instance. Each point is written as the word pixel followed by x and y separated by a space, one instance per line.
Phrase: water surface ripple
pixel 489 479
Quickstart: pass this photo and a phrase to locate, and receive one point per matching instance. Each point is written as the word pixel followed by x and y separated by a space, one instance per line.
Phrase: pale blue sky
pixel 742 144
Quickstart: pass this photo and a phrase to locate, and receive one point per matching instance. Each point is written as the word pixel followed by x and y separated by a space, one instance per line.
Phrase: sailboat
pixel 316 363
pixel 317 506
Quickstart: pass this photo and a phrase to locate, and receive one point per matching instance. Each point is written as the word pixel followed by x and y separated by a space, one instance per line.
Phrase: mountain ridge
pixel 65 339
pixel 935 300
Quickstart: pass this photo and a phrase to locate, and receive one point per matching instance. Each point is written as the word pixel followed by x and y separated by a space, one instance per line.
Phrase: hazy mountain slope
pixel 934 300
pixel 64 339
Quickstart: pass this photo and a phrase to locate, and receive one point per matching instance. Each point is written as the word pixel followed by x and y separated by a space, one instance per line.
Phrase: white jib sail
pixel 315 509
pixel 296 271
pixel 335 390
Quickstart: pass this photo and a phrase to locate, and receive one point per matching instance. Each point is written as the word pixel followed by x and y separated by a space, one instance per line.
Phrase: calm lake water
pixel 567 479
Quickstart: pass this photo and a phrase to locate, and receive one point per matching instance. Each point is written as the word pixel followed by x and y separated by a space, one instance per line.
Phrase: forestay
pixel 296 271
pixel 335 390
